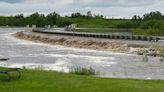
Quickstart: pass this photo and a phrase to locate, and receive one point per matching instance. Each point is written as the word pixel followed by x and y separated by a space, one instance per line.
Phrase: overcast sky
pixel 109 8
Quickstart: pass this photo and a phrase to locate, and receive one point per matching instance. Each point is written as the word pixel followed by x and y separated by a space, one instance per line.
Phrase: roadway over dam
pixel 105 37
pixel 59 33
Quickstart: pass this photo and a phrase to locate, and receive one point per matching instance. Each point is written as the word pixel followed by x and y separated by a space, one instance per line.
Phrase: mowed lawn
pixel 49 81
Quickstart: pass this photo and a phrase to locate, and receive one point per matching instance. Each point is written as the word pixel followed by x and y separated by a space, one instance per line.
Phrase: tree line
pixel 152 22
pixel 149 24
pixel 148 20
pixel 41 20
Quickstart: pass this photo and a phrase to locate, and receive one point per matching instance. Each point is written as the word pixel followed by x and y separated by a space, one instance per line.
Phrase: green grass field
pixel 49 81
pixel 99 31
pixel 149 32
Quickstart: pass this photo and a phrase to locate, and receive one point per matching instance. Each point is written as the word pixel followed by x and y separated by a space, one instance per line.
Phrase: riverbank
pixel 50 81
pixel 140 48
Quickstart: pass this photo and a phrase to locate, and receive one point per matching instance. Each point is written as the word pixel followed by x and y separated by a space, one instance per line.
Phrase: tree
pixel 76 15
pixel 36 19
pixel 136 17
pixel 52 18
pixel 33 19
pixel 18 20
pixel 98 16
pixel 152 15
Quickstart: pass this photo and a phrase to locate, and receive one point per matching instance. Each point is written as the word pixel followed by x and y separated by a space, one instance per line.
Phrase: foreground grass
pixel 42 81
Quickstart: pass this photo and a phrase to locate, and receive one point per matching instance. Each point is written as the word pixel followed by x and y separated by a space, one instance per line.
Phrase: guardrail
pixel 100 35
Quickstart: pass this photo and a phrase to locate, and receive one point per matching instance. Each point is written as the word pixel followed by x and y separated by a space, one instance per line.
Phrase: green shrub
pixel 148 32
pixel 162 52
pixel 83 71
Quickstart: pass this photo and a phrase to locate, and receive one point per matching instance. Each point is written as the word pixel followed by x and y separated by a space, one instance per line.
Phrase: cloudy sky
pixel 109 8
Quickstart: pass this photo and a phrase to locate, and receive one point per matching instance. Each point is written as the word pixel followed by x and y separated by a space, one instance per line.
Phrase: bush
pixel 83 71
pixel 148 32
pixel 162 51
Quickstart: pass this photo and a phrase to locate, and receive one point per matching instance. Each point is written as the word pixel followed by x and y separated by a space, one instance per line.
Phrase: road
pixel 129 42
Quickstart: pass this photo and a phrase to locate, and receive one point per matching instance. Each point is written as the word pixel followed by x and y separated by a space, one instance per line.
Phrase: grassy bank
pixel 42 81
pixel 100 31
pixel 146 32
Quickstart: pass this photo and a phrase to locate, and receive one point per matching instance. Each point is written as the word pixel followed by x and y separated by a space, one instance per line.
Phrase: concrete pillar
pixel 94 35
pixel 68 28
pixel 117 37
pixel 138 37
pixel 122 37
pixel 127 37
pixel 113 37
pixel 146 38
pixel 142 38
pixel 91 35
pixel 105 36
pixel 73 27
pixel 97 35
pixel 33 26
pixel 133 38
pixel 109 36
pixel 87 35
pixel 55 26
pixel 101 35
pixel 149 38
pixel 84 34
pixel 49 26
pixel 27 26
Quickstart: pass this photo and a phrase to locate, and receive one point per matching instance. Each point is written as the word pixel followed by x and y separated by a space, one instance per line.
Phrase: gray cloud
pixel 11 1
pixel 110 8
pixel 114 3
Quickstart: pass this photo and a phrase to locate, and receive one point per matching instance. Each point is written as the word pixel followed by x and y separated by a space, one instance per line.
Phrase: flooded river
pixel 28 54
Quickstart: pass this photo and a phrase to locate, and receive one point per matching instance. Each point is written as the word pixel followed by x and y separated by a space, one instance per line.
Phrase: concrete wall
pixel 100 35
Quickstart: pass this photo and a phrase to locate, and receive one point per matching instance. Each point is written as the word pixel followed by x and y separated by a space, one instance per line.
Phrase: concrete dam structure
pixel 99 35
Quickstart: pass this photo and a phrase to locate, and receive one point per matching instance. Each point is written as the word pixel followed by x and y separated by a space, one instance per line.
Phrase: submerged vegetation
pixel 162 53
pixel 148 24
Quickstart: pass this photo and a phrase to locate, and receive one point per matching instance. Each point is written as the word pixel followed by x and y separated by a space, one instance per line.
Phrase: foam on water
pixel 57 67
pixel 59 47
